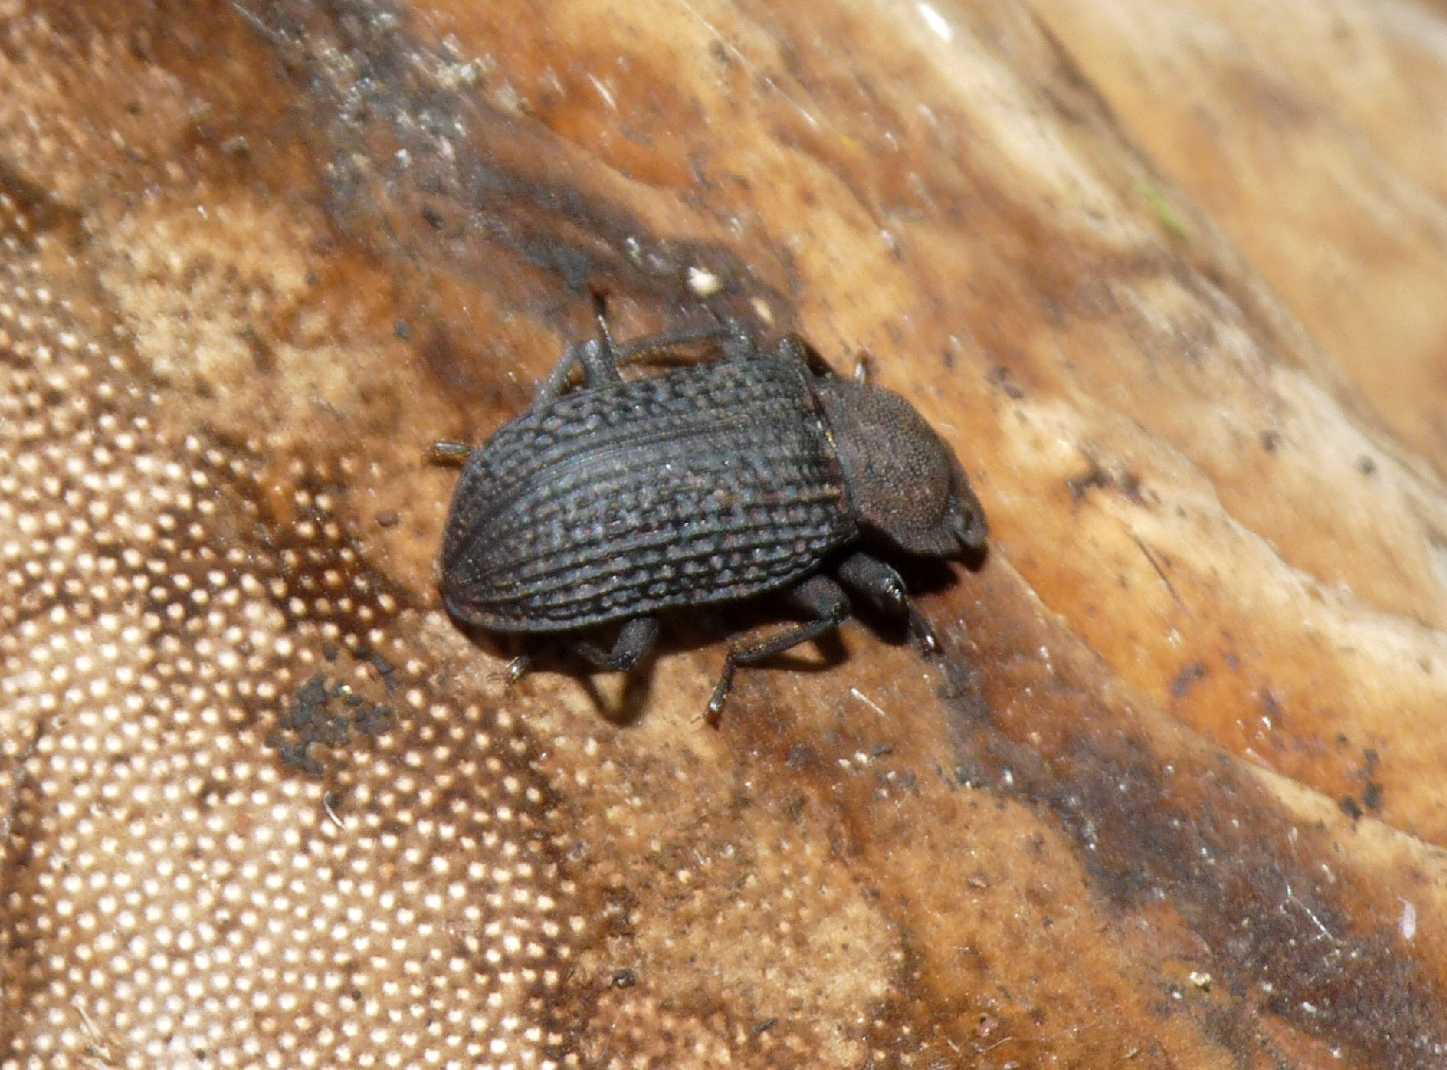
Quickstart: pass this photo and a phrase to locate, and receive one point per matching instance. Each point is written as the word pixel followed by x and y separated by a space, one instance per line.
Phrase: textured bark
pixel 1169 278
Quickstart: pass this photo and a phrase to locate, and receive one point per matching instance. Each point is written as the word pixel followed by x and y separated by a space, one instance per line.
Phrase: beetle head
pixel 906 486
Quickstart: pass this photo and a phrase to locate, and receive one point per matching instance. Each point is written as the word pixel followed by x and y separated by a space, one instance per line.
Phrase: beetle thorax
pixel 900 475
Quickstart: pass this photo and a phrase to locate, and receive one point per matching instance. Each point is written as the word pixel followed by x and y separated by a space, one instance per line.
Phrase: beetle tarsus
pixel 513 671
pixel 720 692
pixel 448 452
pixel 923 633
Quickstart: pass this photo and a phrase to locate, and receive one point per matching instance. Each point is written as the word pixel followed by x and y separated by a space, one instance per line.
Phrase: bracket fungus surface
pixel 1166 276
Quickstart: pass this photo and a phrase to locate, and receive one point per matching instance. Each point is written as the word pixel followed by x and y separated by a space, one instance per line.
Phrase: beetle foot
pixel 923 634
pixel 516 669
pixel 449 453
pixel 720 693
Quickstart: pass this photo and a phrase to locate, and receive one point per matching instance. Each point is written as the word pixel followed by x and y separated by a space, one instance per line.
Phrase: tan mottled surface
pixel 1167 275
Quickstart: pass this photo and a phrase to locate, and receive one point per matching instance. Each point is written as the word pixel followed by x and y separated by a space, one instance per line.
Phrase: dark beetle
pixel 710 483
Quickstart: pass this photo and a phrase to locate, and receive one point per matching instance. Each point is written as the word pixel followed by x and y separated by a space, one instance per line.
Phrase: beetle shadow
pixel 680 632
pixel 930 575
pixel 922 575
pixel 550 653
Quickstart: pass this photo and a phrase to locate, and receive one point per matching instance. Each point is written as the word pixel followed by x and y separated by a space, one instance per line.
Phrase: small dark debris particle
pixel 1187 678
pixel 317 715
pixel 330 652
pixel 1094 477
pixel 382 665
pixel 388 519
pixel 1350 808
pixel 802 756
pixel 624 978
pixel 1270 440
pixel 314 690
pixel 1130 486
pixel 403 330
pixel 1001 378
pixel 1366 466
pixel 968 777
pixel 882 750
pixel 1372 796
pixel 375 721
pixel 294 755
pixel 795 807
pixel 1273 708
pixel 764 1026
pixel 431 217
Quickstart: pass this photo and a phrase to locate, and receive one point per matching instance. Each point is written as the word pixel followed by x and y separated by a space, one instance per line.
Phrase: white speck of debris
pixel 90 1027
pixel 936 22
pixel 603 92
pixel 763 311
pixel 1201 980
pixel 1008 778
pixel 862 697
pixel 1408 924
pixel 703 282
pixel 508 98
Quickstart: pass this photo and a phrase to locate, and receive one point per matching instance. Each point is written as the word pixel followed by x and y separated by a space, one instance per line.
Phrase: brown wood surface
pixel 1171 278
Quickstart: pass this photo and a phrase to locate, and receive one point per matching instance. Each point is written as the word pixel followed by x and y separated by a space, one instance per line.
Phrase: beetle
pixel 759 471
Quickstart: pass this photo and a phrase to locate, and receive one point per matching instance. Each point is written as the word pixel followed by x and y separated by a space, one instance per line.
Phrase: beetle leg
pixel 514 670
pixel 598 368
pixel 602 367
pixel 680 336
pixel 597 356
pixel 819 596
pixel 885 591
pixel 635 639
